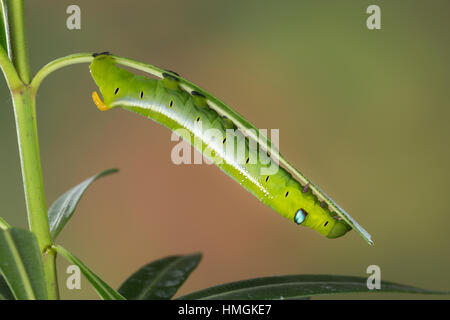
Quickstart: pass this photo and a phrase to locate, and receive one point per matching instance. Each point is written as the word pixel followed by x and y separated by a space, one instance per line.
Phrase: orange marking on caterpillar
pixel 98 102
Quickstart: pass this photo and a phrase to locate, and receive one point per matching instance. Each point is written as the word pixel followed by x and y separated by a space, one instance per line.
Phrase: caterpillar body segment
pixel 171 102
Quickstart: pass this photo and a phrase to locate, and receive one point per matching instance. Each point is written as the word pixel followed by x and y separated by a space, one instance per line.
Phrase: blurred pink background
pixel 363 113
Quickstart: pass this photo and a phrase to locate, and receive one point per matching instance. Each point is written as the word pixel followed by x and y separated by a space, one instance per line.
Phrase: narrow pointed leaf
pixel 3 224
pixel 296 287
pixel 5 292
pixel 4 30
pixel 160 279
pixel 21 264
pixel 101 287
pixel 63 208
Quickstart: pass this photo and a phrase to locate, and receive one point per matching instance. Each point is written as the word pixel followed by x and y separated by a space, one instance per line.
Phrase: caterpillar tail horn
pixel 98 102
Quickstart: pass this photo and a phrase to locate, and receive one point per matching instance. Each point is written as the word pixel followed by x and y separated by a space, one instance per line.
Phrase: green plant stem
pixel 87 58
pixel 58 64
pixel 49 261
pixel 11 76
pixel 24 102
pixel 16 19
pixel 25 113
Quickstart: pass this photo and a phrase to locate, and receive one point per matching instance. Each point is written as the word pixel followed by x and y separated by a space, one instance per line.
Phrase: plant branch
pixel 87 58
pixel 11 76
pixel 16 20
pixel 58 64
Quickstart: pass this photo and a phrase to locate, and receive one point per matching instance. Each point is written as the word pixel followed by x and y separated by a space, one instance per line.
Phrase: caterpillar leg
pixel 339 229
pixel 98 102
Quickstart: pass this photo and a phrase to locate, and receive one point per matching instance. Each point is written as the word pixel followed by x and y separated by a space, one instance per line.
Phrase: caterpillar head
pixel 116 84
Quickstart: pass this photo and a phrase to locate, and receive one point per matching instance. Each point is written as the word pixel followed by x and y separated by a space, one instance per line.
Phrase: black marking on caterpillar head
pixel 171 103
pixel 142 94
pixel 172 72
pixel 117 90
pixel 224 140
pixel 246 161
pixel 166 75
pixel 325 224
pixel 198 119
pixel 306 188
pixel 106 53
pixel 287 193
pixel 267 178
pixel 196 93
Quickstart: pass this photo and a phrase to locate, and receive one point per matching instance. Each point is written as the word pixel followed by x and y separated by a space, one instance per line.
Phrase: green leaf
pixel 63 208
pixel 297 286
pixel 160 279
pixel 21 264
pixel 3 224
pixel 4 27
pixel 101 287
pixel 5 292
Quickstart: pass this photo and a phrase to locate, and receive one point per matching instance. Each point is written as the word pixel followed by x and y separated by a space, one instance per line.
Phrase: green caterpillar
pixel 179 105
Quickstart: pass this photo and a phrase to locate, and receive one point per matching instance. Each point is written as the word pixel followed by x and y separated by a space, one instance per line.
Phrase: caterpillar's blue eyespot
pixel 300 216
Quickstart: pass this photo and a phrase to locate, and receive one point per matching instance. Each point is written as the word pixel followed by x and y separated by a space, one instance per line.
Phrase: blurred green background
pixel 363 113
